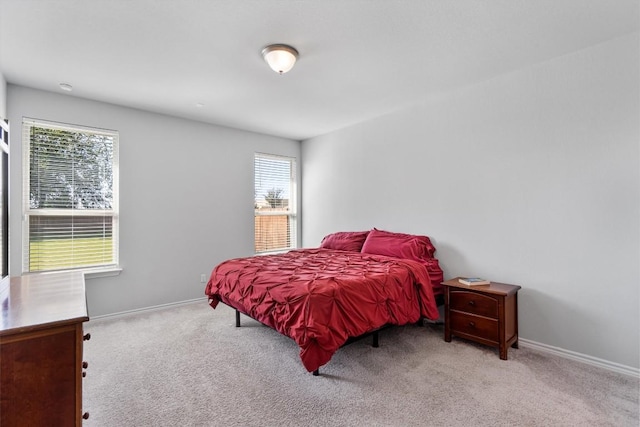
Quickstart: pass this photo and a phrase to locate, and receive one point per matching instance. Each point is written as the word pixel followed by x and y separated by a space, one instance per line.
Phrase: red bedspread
pixel 321 297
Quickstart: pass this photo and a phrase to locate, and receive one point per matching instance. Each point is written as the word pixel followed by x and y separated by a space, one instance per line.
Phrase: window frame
pixel 4 203
pixel 28 212
pixel 291 213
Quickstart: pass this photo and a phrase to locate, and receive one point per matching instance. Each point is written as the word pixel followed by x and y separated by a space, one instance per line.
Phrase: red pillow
pixel 398 245
pixel 345 240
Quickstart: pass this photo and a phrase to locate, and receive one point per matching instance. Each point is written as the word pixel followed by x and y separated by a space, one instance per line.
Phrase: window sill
pixel 89 273
pixel 274 252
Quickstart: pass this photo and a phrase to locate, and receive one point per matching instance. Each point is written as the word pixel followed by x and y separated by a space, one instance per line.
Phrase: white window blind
pixel 70 197
pixel 274 203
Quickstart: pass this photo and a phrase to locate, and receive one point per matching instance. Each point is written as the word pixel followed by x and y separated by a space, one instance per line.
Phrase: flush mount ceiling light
pixel 66 87
pixel 280 57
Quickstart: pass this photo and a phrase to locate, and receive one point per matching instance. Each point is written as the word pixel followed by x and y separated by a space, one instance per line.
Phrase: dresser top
pixel 39 299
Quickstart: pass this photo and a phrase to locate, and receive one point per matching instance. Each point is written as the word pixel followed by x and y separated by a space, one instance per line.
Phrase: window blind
pixel 70 196
pixel 274 203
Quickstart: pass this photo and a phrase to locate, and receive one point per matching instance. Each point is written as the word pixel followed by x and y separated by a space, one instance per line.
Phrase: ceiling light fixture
pixel 66 87
pixel 280 57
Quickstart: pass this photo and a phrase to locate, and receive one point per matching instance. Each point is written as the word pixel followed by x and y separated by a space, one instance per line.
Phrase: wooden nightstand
pixel 487 314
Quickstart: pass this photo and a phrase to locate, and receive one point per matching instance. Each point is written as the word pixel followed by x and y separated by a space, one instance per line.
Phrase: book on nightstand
pixel 473 281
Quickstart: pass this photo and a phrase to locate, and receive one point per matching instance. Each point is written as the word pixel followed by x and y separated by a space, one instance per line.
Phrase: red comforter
pixel 321 297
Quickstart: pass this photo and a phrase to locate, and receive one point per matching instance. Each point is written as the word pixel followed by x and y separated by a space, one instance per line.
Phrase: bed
pixel 354 284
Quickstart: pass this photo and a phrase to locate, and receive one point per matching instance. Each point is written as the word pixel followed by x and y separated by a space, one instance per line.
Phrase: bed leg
pixel 316 372
pixel 375 339
pixel 237 319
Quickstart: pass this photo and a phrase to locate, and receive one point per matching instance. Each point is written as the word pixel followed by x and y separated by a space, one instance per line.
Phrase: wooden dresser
pixel 487 314
pixel 41 338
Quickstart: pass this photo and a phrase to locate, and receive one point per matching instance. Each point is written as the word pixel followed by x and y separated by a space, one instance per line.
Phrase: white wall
pixel 3 97
pixel 529 178
pixel 186 196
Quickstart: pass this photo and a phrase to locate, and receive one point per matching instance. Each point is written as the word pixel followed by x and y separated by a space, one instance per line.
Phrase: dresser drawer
pixel 476 326
pixel 474 303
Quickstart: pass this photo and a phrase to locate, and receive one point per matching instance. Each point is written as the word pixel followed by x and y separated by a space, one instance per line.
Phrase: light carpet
pixel 190 366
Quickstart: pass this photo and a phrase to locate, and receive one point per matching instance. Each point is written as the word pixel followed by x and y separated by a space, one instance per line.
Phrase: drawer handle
pixel 472 302
pixel 85 416
pixel 87 337
pixel 472 324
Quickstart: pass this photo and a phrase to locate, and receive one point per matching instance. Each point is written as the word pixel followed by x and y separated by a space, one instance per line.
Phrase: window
pixel 4 198
pixel 70 197
pixel 274 203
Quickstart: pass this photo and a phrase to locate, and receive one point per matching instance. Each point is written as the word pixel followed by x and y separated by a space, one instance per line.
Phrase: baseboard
pixel 146 309
pixel 589 360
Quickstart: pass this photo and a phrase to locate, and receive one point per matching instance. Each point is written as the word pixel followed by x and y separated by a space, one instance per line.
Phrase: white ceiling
pixel 359 59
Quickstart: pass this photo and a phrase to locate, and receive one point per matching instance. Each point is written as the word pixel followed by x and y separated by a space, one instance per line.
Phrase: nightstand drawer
pixel 475 303
pixel 476 326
